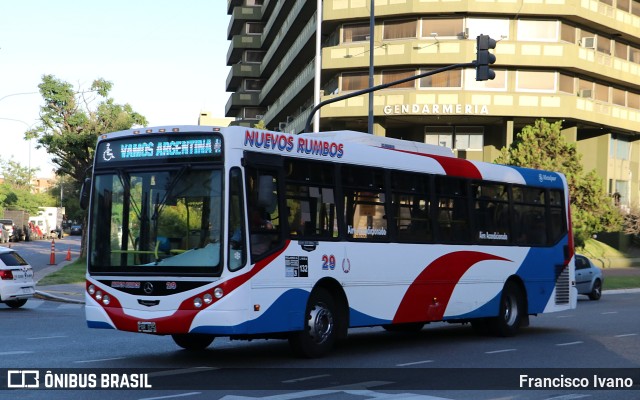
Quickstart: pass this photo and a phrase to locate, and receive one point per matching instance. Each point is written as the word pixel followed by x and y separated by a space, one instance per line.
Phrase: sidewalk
pixel 67 293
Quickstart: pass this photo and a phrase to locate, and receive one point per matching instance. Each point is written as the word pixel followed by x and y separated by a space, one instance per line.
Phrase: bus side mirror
pixel 84 193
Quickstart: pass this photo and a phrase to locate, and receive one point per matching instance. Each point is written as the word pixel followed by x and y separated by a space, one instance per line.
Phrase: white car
pixel 589 279
pixel 16 279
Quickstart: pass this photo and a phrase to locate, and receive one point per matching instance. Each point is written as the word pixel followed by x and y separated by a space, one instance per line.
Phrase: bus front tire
pixel 511 313
pixel 16 303
pixel 320 329
pixel 193 341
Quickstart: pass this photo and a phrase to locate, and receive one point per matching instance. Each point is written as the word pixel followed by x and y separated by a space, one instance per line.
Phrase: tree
pixel 15 190
pixel 71 121
pixel 260 125
pixel 542 146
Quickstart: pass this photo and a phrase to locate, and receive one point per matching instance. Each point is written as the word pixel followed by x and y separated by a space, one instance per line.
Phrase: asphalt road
pixel 598 338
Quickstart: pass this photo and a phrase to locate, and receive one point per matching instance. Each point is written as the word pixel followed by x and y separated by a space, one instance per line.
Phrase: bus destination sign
pixel 160 148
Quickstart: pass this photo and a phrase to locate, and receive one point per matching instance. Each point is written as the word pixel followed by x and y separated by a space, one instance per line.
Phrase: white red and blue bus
pixel 202 232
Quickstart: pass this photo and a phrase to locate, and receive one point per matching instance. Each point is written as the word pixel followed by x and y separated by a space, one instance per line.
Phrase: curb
pixel 48 296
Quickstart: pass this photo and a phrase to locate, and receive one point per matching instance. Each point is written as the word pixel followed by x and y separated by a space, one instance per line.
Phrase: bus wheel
pixel 509 319
pixel 193 341
pixel 319 332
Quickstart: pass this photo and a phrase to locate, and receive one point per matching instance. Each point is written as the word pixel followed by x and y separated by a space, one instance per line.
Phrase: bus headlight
pixel 197 302
pixel 92 290
pixel 208 298
pixel 106 300
pixel 98 295
pixel 218 293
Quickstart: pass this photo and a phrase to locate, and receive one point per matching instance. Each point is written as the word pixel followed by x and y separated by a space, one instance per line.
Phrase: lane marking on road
pixel 414 363
pixel 499 351
pixel 569 343
pixel 626 335
pixel 172 396
pixel 568 397
pixel 13 353
pixel 306 378
pixel 47 337
pixel 608 312
pixel 99 360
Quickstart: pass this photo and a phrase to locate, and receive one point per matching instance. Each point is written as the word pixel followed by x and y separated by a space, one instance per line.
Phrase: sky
pixel 165 58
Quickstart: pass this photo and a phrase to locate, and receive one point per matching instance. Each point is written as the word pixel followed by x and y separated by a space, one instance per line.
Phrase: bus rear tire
pixel 16 303
pixel 193 341
pixel 320 326
pixel 512 309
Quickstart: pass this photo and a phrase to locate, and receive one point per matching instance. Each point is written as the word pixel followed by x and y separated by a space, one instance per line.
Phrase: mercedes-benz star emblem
pixel 148 287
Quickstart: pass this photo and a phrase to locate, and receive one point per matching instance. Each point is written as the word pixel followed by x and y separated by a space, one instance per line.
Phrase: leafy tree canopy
pixel 542 146
pixel 15 191
pixel 71 120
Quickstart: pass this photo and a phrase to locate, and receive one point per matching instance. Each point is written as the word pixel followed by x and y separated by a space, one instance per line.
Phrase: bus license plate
pixel 146 327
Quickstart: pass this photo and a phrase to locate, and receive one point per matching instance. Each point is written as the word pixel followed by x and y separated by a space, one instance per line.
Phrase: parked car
pixel 589 279
pixel 7 230
pixel 75 230
pixel 16 279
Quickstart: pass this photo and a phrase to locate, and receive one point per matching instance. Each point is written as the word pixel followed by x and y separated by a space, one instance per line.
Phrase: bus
pixel 203 232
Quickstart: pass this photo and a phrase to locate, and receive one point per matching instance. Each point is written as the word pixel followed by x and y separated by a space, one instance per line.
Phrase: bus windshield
pixel 164 221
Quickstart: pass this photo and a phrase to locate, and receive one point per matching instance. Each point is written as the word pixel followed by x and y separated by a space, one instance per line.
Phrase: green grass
pixel 621 282
pixel 70 273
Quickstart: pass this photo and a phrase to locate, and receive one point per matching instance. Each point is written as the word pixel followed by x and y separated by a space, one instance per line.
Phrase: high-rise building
pixel 577 61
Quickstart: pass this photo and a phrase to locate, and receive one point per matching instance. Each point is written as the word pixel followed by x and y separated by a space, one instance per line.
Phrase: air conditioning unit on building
pixel 588 42
pixel 259 116
pixel 587 93
pixel 465 33
pixel 282 126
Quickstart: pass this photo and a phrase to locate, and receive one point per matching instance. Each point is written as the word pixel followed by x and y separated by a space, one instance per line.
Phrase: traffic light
pixel 484 58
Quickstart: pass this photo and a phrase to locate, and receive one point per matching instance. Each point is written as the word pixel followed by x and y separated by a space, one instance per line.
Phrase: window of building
pixel 354 81
pixel 567 33
pixel 498 83
pixel 621 50
pixel 622 190
pixel 364 203
pixel 253 56
pixel 537 31
pixel 565 84
pixel 635 8
pixel 439 136
pixel 585 88
pixel 633 100
pixel 497 28
pixel 254 28
pixel 394 75
pixel 601 92
pixel 253 85
pixel 535 81
pixel 604 45
pixel 469 138
pixel 355 33
pixel 624 5
pixel 442 27
pixel 458 138
pixel 620 148
pixel 400 29
pixel 634 54
pixel 253 112
pixel 618 97
pixel 447 79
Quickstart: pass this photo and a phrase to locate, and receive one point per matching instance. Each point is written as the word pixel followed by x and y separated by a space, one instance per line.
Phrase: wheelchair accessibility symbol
pixel 108 155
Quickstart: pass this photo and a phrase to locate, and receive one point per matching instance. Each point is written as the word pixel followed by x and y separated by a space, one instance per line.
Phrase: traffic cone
pixel 52 257
pixel 68 258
